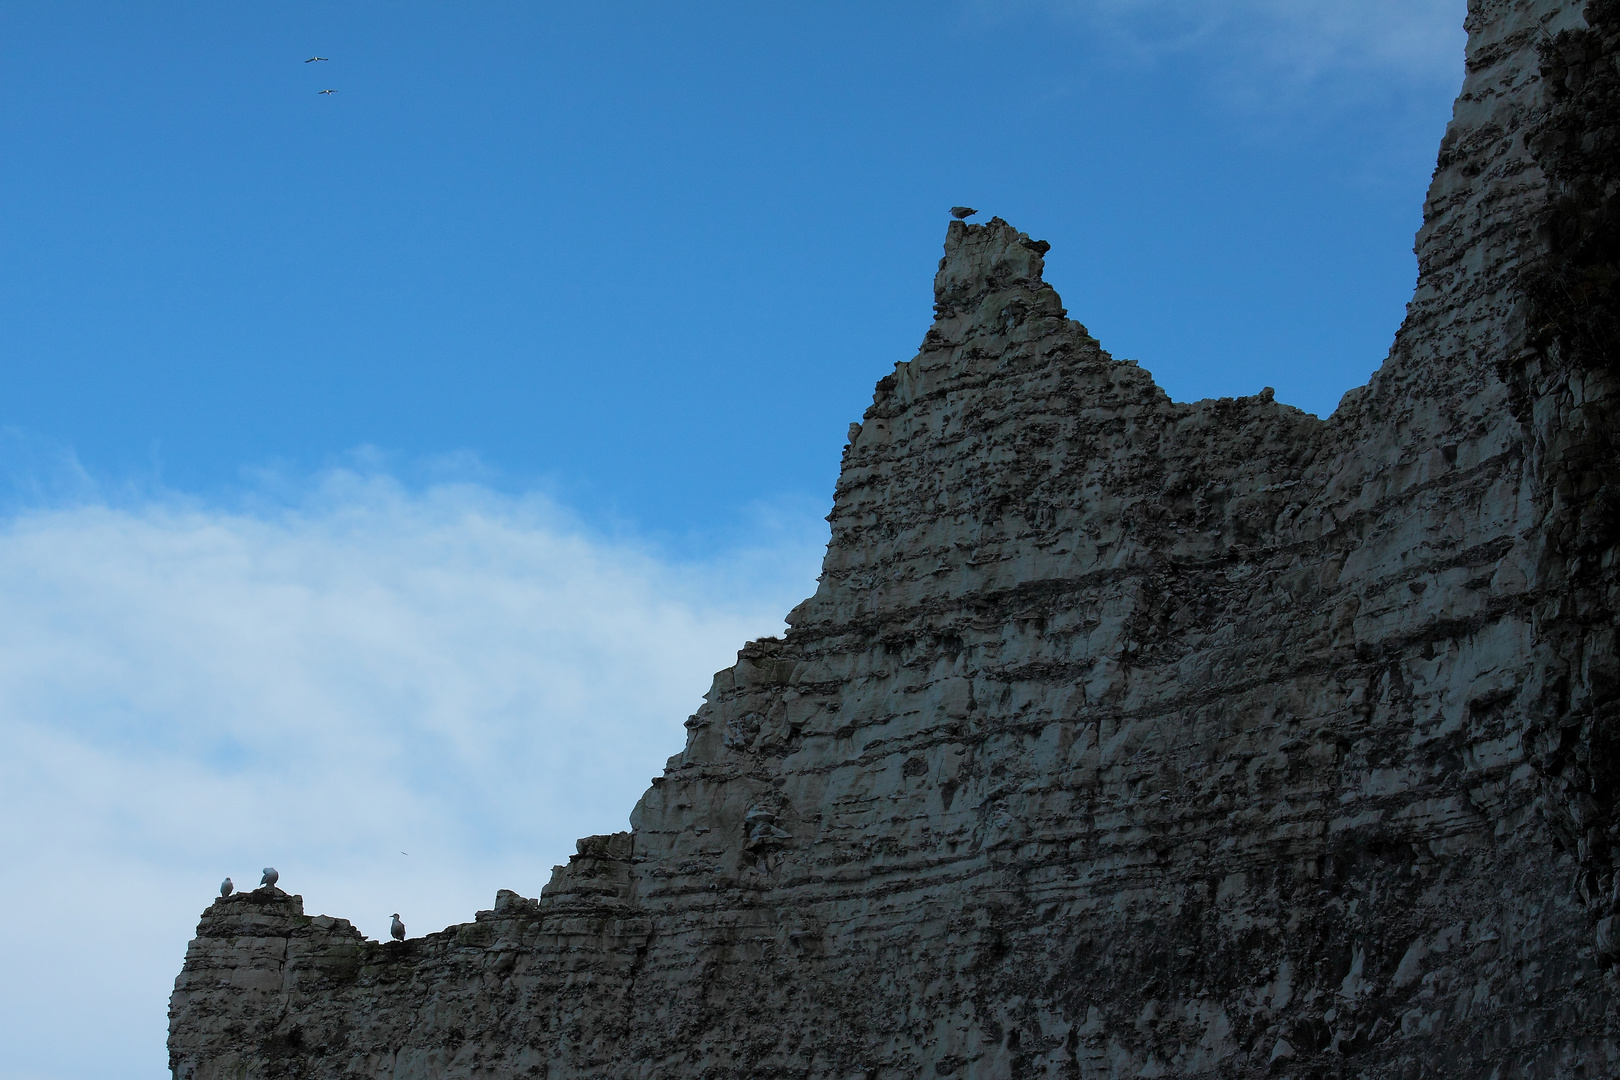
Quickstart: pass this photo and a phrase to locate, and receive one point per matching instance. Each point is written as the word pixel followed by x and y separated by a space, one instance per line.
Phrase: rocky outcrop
pixel 1122 737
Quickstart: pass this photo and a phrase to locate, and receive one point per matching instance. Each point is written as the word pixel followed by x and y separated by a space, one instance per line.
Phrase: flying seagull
pixel 327 91
pixel 398 929
pixel 962 213
pixel 226 888
pixel 312 59
pixel 270 876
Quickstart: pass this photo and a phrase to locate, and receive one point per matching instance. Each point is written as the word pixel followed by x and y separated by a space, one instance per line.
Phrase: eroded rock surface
pixel 1122 737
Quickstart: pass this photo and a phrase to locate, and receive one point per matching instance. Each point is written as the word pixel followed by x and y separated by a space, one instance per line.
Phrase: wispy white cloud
pixel 1254 49
pixel 188 691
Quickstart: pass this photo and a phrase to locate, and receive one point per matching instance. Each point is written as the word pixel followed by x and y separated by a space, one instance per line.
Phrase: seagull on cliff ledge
pixel 270 876
pixel 962 213
pixel 398 929
pixel 226 887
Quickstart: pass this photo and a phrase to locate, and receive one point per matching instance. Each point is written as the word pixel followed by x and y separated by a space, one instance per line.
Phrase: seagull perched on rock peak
pixel 312 59
pixel 270 876
pixel 961 213
pixel 398 929
pixel 226 888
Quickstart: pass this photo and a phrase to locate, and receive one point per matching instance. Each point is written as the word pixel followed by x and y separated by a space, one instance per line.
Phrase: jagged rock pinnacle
pixel 984 259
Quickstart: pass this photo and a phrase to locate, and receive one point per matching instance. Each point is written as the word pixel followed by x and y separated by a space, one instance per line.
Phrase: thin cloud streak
pixel 1255 48
pixel 187 692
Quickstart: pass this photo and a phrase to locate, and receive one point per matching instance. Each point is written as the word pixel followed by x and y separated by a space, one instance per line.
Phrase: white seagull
pixel 312 59
pixel 226 888
pixel 326 91
pixel 270 876
pixel 398 929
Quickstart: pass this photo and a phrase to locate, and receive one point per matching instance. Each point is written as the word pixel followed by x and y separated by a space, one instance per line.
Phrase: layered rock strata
pixel 1122 737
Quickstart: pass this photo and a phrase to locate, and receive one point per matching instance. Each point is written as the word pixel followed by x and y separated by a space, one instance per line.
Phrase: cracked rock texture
pixel 1122 737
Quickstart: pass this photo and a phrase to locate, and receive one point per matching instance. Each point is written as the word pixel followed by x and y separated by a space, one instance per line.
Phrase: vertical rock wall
pixel 1122 737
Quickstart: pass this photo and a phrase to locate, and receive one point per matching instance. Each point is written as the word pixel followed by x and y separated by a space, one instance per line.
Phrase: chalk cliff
pixel 1122 737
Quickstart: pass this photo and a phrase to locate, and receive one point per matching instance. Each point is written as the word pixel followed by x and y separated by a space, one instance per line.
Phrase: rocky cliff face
pixel 1122 737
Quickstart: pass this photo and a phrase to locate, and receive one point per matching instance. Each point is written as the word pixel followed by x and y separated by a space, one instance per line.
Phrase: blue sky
pixel 652 257
pixel 390 470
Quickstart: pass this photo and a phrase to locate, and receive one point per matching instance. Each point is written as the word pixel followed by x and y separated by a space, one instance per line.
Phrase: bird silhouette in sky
pixel 327 91
pixel 312 59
